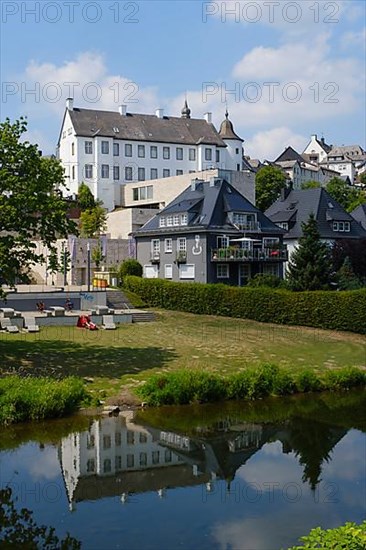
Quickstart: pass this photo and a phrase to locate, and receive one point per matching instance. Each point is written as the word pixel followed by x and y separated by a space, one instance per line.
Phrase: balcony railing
pixel 181 256
pixel 248 226
pixel 254 255
pixel 155 257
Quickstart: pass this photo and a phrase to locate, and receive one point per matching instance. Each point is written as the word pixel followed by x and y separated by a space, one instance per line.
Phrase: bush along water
pixel 27 399
pixel 185 386
pixel 321 309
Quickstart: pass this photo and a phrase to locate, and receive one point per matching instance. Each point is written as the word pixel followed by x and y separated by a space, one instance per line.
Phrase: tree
pixel 346 277
pixel 93 221
pixel 97 255
pixel 130 267
pixel 86 199
pixel 310 266
pixel 269 182
pixel 311 184
pixel 31 207
pixel 343 193
pixel 355 251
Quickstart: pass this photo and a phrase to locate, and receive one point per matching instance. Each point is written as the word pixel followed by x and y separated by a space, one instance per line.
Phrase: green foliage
pixel 86 199
pixel 346 195
pixel 130 267
pixel 30 205
pixel 310 267
pixel 346 277
pixel 355 250
pixel 269 182
pixel 97 254
pixel 322 309
pixel 19 530
pixel 93 221
pixel 182 387
pixel 349 536
pixel 271 281
pixel 26 399
pixel 311 184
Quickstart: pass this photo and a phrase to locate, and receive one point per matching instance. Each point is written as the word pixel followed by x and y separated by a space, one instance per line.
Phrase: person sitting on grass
pixel 69 306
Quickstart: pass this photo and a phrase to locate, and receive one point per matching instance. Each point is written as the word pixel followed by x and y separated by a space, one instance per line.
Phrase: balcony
pixel 155 257
pixel 253 227
pixel 181 257
pixel 232 254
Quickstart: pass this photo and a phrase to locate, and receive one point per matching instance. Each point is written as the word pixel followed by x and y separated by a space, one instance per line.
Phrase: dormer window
pixel 162 222
pixel 283 225
pixel 341 226
pixel 184 219
pixel 244 221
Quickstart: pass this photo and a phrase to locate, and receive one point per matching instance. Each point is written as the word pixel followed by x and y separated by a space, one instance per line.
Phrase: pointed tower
pixel 186 111
pixel 234 150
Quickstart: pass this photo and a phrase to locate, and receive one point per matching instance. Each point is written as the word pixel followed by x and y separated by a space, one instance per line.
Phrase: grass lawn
pixel 132 352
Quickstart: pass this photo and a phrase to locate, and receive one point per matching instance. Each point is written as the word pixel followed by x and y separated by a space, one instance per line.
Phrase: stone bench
pixel 7 312
pixel 57 311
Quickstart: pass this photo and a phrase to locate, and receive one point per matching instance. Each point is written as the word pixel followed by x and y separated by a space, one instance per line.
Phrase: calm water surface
pixel 228 476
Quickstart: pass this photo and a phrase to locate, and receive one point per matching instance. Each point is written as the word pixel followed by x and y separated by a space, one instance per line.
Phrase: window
pixel 130 461
pixel 153 152
pixel 130 437
pixel 116 173
pixel 105 147
pixel 169 221
pixel 162 222
pixel 141 151
pixel 155 457
pixel 155 247
pixel 73 148
pixel 269 242
pixel 107 442
pixel 118 462
pixel 73 172
pixel 117 439
pixel 184 219
pixel 168 455
pixel 107 465
pixel 90 465
pixel 179 172
pixel 166 153
pixel 168 271
pixel 238 167
pixel 222 271
pixel 341 226
pixel 192 154
pixel 217 155
pixel 143 459
pixel 270 269
pixel 135 194
pixel 128 150
pixel 222 241
pixel 151 271
pixel 186 271
pixel 142 193
pixel 179 153
pixel 143 438
pixel 166 173
pixel 208 154
pixel 88 147
pixel 90 441
pixel 154 174
pixel 168 246
pixel 182 244
pixel 88 171
pixel 116 149
pixel 128 173
pixel 237 150
pixel 176 219
pixel 243 219
pixel 105 171
pixel 141 174
pixel 283 225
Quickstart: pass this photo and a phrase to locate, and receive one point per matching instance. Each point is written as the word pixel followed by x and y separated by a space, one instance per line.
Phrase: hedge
pixel 321 309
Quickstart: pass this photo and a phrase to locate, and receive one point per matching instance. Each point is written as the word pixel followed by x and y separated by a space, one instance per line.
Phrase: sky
pixel 286 70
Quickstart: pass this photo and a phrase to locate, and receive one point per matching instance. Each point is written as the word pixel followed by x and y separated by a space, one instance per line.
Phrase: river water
pixel 228 476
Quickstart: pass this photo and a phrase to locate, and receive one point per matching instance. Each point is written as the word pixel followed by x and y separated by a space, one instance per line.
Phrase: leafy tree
pixel 310 266
pixel 346 277
pixel 343 193
pixel 355 251
pixel 350 536
pixel 311 184
pixel 93 221
pixel 86 199
pixel 130 267
pixel 269 182
pixel 19 530
pixel 31 207
pixel 97 255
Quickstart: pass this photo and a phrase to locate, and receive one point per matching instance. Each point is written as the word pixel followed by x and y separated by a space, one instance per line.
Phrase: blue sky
pixel 293 68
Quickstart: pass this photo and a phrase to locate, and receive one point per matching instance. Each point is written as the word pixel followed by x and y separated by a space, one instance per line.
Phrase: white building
pixel 107 149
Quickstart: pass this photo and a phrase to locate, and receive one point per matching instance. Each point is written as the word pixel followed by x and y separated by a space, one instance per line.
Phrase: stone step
pixel 143 317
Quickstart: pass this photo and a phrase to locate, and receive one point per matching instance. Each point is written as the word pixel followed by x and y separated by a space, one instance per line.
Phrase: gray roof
pixel 139 127
pixel 347 150
pixel 304 202
pixel 359 214
pixel 207 206
pixel 227 129
pixel 289 154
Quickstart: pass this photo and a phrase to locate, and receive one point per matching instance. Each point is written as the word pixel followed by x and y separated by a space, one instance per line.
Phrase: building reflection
pixel 117 457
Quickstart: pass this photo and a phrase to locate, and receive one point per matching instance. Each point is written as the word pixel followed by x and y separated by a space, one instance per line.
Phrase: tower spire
pixel 186 111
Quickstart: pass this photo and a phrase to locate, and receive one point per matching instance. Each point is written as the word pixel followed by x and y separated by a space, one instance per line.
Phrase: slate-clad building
pixel 210 234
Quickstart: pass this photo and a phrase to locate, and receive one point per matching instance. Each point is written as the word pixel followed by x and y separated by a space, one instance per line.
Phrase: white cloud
pixel 269 144
pixel 352 39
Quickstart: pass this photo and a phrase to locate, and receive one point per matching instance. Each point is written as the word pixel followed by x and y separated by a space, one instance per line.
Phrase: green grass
pixel 132 353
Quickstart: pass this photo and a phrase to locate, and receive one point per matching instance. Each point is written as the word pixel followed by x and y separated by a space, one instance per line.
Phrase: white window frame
pixel 168 246
pixel 155 246
pixel 88 171
pixel 176 219
pixel 169 221
pixel 224 241
pixel 162 222
pixel 184 219
pixel 182 244
pixel 184 272
pixel 88 147
pixel 104 173
pixel 208 154
pixel 222 271
pixel 105 147
pixel 168 271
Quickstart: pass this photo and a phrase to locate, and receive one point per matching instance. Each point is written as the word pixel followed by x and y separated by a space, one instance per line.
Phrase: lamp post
pixel 88 265
pixel 64 259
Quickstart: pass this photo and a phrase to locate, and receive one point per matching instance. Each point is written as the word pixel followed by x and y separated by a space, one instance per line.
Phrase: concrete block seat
pixel 30 325
pixel 7 312
pixel 101 310
pixel 108 322
pixel 47 312
pixel 57 311
pixel 6 325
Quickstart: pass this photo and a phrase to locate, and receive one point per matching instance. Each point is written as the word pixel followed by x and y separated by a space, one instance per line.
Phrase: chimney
pixel 208 117
pixel 314 137
pixel 194 183
pixel 285 191
pixel 122 109
pixel 70 104
pixel 212 181
pixel 159 113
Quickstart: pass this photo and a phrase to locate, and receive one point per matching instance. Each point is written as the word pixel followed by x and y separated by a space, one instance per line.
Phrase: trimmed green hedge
pixel 320 309
pixel 349 536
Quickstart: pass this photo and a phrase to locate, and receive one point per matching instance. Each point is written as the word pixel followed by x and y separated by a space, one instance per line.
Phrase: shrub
pixel 350 536
pixel 344 379
pixel 323 309
pixel 271 281
pixel 130 267
pixel 307 381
